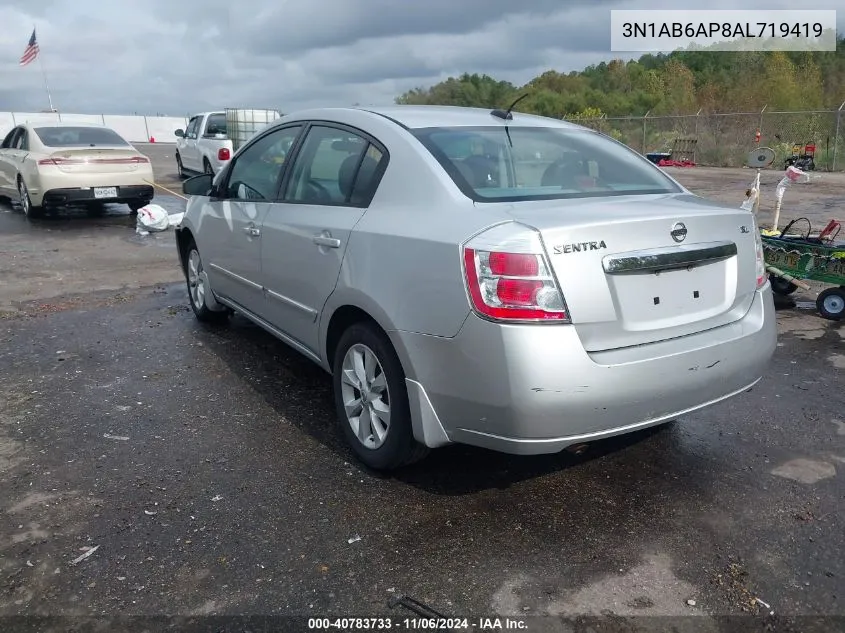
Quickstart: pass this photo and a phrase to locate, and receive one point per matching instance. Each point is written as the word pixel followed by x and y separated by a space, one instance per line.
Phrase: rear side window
pixel 491 164
pixel 216 125
pixel 79 136
pixel 335 167
pixel 22 140
pixel 9 140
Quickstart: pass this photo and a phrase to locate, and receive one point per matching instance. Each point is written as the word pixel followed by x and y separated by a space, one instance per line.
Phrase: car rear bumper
pixel 131 193
pixel 51 186
pixel 534 389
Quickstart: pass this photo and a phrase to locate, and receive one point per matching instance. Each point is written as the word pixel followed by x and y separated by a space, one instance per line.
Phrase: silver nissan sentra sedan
pixel 483 277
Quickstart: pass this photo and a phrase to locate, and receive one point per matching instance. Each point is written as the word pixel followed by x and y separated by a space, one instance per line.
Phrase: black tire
pixel 179 169
pixel 200 310
pixel 831 303
pixel 95 208
pixel 206 167
pixel 29 210
pixel 781 286
pixel 399 448
pixel 134 207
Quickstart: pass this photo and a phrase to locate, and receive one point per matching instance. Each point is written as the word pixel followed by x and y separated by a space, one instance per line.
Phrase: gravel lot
pixel 203 465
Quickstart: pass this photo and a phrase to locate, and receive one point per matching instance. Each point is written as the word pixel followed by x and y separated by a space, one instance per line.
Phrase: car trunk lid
pixel 639 269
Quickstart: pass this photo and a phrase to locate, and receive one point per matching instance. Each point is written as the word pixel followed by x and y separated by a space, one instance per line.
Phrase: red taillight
pixel 58 161
pixel 516 264
pixel 512 286
pixel 517 292
pixel 223 153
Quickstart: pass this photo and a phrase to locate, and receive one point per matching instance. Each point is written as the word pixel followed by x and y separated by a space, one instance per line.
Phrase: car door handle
pixel 251 230
pixel 323 240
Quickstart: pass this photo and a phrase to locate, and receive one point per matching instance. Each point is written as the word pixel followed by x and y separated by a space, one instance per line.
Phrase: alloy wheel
pixel 196 284
pixel 366 397
pixel 24 195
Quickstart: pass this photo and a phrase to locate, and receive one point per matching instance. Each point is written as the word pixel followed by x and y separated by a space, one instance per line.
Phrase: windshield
pixel 542 163
pixel 75 136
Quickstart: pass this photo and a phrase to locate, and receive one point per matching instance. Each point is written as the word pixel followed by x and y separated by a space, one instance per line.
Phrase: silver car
pixel 482 277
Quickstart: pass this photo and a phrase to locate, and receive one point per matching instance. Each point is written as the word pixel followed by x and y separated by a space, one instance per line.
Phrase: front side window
pixel 335 167
pixel 61 136
pixel 256 172
pixel 191 130
pixel 534 163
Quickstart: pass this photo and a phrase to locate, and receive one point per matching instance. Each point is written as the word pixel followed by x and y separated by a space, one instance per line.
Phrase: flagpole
pixel 46 85
pixel 44 74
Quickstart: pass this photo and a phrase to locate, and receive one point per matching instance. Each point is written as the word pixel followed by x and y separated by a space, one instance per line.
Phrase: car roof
pixel 62 124
pixel 459 116
pixel 423 116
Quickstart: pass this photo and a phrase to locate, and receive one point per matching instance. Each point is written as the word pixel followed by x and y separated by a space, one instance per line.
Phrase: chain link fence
pixel 724 140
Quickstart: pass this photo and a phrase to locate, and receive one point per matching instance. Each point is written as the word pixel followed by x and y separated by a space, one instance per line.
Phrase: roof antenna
pixel 507 116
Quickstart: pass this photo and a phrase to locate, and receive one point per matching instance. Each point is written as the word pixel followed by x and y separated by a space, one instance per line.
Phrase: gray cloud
pixel 177 56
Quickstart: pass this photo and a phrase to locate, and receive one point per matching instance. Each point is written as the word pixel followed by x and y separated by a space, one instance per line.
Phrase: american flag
pixel 31 51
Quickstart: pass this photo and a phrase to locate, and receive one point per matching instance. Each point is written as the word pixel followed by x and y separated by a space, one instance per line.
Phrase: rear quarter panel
pixel 403 263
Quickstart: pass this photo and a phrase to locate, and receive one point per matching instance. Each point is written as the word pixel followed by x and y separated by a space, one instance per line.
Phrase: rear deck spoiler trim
pixel 668 258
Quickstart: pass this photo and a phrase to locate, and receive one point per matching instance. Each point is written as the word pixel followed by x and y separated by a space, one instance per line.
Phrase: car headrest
pixel 346 176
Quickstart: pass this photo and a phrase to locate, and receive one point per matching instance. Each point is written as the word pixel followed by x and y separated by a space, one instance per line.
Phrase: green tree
pixel 681 82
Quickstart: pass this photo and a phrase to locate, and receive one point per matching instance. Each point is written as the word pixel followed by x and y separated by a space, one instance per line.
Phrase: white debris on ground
pixel 153 218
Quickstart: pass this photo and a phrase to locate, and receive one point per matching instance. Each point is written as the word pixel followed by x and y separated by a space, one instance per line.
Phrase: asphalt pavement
pixel 151 465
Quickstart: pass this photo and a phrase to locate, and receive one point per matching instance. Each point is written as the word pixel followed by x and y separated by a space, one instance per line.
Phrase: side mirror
pixel 198 185
pixel 180 133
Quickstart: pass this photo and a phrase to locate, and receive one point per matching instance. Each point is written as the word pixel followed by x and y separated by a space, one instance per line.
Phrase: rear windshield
pixel 216 124
pixel 75 136
pixel 541 163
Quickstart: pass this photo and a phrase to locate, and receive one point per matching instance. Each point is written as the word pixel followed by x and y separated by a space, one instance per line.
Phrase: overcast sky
pixel 181 56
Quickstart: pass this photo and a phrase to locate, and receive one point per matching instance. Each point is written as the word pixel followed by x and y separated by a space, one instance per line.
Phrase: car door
pixel 8 169
pixel 189 151
pixel 325 193
pixel 230 231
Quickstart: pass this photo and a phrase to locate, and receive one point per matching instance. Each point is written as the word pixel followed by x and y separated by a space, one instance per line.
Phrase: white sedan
pixel 49 165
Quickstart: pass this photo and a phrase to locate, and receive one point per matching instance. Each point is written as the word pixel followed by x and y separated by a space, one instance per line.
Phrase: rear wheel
pixel 198 288
pixel 95 208
pixel 29 210
pixel 134 207
pixel 372 401
pixel 831 303
pixel 206 166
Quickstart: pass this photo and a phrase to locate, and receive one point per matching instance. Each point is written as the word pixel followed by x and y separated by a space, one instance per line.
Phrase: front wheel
pixel 372 401
pixel 831 303
pixel 179 169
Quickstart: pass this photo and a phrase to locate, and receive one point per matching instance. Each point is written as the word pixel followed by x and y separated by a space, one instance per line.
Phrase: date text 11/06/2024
pixel 417 624
pixel 723 29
